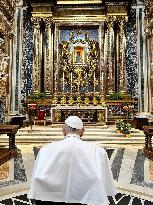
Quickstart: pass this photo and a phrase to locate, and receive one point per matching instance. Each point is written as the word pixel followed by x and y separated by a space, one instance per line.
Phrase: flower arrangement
pixel 119 125
pixel 123 127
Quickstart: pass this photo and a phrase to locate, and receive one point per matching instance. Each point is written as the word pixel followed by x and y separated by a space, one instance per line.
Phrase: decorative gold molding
pixel 116 10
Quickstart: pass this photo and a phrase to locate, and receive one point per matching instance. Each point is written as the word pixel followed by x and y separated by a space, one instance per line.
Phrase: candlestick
pixel 63 80
pixel 71 77
pixel 102 76
pixel 94 76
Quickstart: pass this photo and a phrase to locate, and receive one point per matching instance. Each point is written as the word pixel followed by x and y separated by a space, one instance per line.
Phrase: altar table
pixel 88 114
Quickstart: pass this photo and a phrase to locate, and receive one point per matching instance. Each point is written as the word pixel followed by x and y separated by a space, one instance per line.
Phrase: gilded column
pixel 110 55
pixel 36 71
pixel 48 63
pixel 121 61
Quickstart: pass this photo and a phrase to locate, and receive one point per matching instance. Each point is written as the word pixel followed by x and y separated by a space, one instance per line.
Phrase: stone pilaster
pixel 37 58
pixel 122 87
pixel 110 55
pixel 17 58
pixel 48 50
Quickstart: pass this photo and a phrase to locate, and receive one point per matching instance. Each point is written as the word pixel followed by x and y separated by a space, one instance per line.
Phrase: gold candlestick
pixel 63 82
pixel 55 98
pixel 63 99
pixel 79 99
pixel 102 98
pixel 94 100
pixel 86 100
pixel 71 101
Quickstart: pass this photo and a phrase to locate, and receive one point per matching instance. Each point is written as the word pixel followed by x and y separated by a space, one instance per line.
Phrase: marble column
pixel 141 53
pixel 48 51
pixel 110 55
pixel 37 58
pixel 56 54
pixel 17 59
pixel 122 84
pixel 148 75
pixel 102 58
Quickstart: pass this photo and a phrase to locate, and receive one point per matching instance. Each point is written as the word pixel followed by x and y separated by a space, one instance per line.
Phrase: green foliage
pixel 37 96
pixel 115 96
pixel 123 126
pixel 119 124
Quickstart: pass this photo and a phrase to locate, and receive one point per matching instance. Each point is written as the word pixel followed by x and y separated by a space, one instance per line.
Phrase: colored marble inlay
pixel 129 167
pixel 2 110
pixel 151 170
pixel 4 171
pixel 27 62
pixel 17 59
pixel 131 55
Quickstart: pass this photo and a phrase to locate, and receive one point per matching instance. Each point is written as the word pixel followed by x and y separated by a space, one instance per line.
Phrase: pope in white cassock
pixel 72 170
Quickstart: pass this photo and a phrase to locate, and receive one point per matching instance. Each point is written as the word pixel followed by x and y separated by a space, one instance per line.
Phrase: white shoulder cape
pixel 72 171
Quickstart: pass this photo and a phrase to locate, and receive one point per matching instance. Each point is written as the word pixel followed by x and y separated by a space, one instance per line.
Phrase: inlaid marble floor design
pixel 132 173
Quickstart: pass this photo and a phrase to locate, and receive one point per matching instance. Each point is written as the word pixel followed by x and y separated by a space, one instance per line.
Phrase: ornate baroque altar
pixel 79 58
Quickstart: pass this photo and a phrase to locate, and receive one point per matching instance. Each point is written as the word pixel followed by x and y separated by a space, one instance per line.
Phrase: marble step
pixel 102 140
pixel 102 135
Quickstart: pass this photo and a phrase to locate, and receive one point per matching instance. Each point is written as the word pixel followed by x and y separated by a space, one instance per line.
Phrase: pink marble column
pixel 37 38
pixel 110 55
pixel 122 57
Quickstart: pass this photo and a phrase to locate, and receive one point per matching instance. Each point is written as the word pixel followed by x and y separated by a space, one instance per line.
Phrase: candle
pixel 71 77
pixel 94 76
pixel 63 81
pixel 102 76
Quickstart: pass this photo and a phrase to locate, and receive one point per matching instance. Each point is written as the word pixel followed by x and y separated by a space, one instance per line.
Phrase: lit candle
pixel 63 81
pixel 71 77
pixel 102 75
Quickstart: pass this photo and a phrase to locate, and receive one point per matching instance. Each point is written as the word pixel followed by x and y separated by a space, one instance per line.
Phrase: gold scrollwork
pixel 57 116
pixel 101 116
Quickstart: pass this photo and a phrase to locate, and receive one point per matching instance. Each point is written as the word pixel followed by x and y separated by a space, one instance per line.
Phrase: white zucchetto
pixel 74 122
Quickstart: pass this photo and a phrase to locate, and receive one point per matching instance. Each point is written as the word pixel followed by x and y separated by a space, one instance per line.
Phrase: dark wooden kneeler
pixel 11 151
pixel 148 149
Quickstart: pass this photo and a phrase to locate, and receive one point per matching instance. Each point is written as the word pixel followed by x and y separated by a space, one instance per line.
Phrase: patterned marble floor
pixel 132 173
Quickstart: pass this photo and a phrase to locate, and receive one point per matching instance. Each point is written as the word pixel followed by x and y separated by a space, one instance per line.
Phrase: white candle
pixel 71 77
pixel 102 76
pixel 63 81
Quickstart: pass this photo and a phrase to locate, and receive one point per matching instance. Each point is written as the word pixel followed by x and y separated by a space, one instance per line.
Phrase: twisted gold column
pixel 48 51
pixel 122 63
pixel 37 38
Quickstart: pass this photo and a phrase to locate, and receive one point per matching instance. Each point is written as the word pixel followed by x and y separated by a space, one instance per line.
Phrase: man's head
pixel 73 125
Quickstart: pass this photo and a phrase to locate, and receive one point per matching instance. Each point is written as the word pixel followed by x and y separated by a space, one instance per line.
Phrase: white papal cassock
pixel 72 171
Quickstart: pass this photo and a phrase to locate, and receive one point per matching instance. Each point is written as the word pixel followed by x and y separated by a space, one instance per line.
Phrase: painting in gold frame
pixel 78 55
